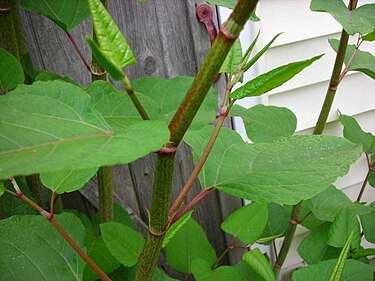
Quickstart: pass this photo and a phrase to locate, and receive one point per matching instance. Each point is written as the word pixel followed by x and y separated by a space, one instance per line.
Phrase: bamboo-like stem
pixel 50 217
pixel 289 235
pixel 105 194
pixel 194 175
pixel 187 110
pixel 318 130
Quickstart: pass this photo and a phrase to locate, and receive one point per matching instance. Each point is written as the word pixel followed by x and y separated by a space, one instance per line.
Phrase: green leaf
pixel 46 75
pixel 259 264
pixel 266 123
pixel 314 246
pixel 327 204
pixel 98 252
pixel 341 261
pixel 67 180
pixel 362 61
pixel 2 188
pixel 247 223
pixel 272 79
pixel 11 72
pixel 360 20
pixel 189 243
pixel 111 41
pixel 278 220
pixel 233 59
pixel 369 37
pixel 368 225
pixel 343 226
pixel 124 243
pixel 32 248
pixel 202 272
pixel 168 94
pixel 353 271
pixel 371 178
pixel 105 61
pixel 259 54
pixel 65 132
pixel 354 133
pixel 116 107
pixel 284 171
pixel 247 272
pixel 65 13
pixel 176 227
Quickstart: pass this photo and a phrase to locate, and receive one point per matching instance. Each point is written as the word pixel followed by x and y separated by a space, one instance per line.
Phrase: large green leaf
pixel 362 61
pixel 116 107
pixel 354 133
pixel 360 20
pixel 284 171
pixel 266 123
pixel 272 79
pixel 233 59
pixel 168 94
pixel 51 126
pixel 314 246
pixel 32 249
pixel 327 204
pixel 368 225
pixel 202 272
pixel 189 243
pixel 278 220
pixel 247 223
pixel 65 13
pixel 124 243
pixel 98 252
pixel 259 264
pixel 67 180
pixel 345 224
pixel 11 73
pixel 111 41
pixel 353 271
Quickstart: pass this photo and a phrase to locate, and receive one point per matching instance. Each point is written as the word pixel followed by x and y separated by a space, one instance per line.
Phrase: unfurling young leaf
pixel 272 79
pixel 65 13
pixel 233 59
pixel 113 51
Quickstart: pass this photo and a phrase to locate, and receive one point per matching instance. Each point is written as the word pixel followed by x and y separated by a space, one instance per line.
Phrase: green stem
pixel 229 32
pixel 138 105
pixel 289 235
pixel 158 220
pixel 365 181
pixel 105 194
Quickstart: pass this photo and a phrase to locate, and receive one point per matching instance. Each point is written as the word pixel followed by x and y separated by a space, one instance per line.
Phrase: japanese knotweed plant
pixel 53 127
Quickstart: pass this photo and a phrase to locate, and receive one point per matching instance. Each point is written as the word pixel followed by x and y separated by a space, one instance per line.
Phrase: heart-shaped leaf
pixel 65 13
pixel 52 126
pixel 284 171
pixel 11 73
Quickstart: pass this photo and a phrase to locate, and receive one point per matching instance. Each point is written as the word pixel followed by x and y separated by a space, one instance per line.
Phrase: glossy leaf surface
pixel 266 123
pixel 65 13
pixel 259 264
pixel 272 79
pixel 11 73
pixel 284 171
pixel 63 129
pixel 32 244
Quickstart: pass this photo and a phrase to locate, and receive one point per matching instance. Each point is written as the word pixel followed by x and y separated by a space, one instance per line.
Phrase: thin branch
pixel 365 181
pixel 138 105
